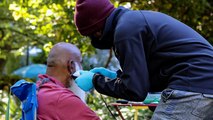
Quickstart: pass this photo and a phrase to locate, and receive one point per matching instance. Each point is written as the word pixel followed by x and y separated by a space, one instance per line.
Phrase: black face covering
pixel 106 43
pixel 107 39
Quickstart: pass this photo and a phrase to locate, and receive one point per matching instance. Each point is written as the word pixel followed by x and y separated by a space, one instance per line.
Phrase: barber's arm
pixel 133 82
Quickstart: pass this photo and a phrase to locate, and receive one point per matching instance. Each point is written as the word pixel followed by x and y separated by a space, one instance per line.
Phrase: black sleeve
pixel 133 83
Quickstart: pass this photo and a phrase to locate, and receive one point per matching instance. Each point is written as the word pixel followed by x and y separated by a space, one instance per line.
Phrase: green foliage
pixel 195 13
pixel 96 103
pixel 15 111
pixel 50 21
pixel 37 58
pixel 6 81
pixel 42 23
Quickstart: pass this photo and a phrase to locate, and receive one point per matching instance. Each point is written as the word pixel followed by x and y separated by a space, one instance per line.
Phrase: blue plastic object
pixel 31 71
pixel 26 93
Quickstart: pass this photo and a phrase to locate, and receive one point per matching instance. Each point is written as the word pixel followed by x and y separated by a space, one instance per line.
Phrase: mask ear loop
pixel 77 72
pixel 77 67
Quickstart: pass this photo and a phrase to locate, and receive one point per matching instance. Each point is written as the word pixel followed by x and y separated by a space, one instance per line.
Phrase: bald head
pixel 62 61
pixel 61 53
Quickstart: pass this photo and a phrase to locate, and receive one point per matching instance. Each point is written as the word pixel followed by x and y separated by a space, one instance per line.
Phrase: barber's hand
pixel 84 81
pixel 105 72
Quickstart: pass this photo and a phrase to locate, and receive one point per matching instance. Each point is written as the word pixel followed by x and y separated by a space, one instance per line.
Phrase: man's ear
pixel 71 67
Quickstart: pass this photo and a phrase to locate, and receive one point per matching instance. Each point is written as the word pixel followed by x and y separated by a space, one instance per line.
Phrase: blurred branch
pixel 2 34
pixel 35 38
pixel 109 58
pixel 7 19
pixel 122 1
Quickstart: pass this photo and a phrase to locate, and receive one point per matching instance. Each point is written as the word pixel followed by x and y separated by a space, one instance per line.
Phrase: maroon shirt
pixel 55 102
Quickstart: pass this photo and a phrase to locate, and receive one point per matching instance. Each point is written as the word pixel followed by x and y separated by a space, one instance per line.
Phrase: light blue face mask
pixel 26 93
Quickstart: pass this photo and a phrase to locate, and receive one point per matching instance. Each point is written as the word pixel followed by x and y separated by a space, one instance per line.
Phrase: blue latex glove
pixel 105 72
pixel 84 81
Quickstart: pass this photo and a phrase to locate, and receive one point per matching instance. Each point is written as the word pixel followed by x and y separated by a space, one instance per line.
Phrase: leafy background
pixel 27 24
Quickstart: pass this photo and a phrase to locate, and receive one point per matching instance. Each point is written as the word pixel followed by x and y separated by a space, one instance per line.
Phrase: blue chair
pixel 26 93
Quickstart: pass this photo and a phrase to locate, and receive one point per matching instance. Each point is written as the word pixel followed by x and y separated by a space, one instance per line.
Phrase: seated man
pixel 55 100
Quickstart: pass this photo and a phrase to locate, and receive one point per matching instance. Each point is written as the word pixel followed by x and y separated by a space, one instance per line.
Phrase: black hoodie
pixel 155 52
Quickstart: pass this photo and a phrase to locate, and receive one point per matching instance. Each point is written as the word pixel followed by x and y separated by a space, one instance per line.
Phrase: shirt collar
pixel 52 79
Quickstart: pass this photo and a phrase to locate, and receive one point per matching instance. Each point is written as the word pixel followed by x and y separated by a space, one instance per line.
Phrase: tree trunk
pixel 2 64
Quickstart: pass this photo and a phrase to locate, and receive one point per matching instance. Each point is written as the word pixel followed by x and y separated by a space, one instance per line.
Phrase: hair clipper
pixel 76 74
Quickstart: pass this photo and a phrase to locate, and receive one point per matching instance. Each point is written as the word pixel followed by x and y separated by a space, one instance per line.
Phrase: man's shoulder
pixel 67 95
pixel 53 90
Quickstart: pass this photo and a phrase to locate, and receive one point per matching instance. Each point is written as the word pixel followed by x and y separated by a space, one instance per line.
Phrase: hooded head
pixel 90 15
